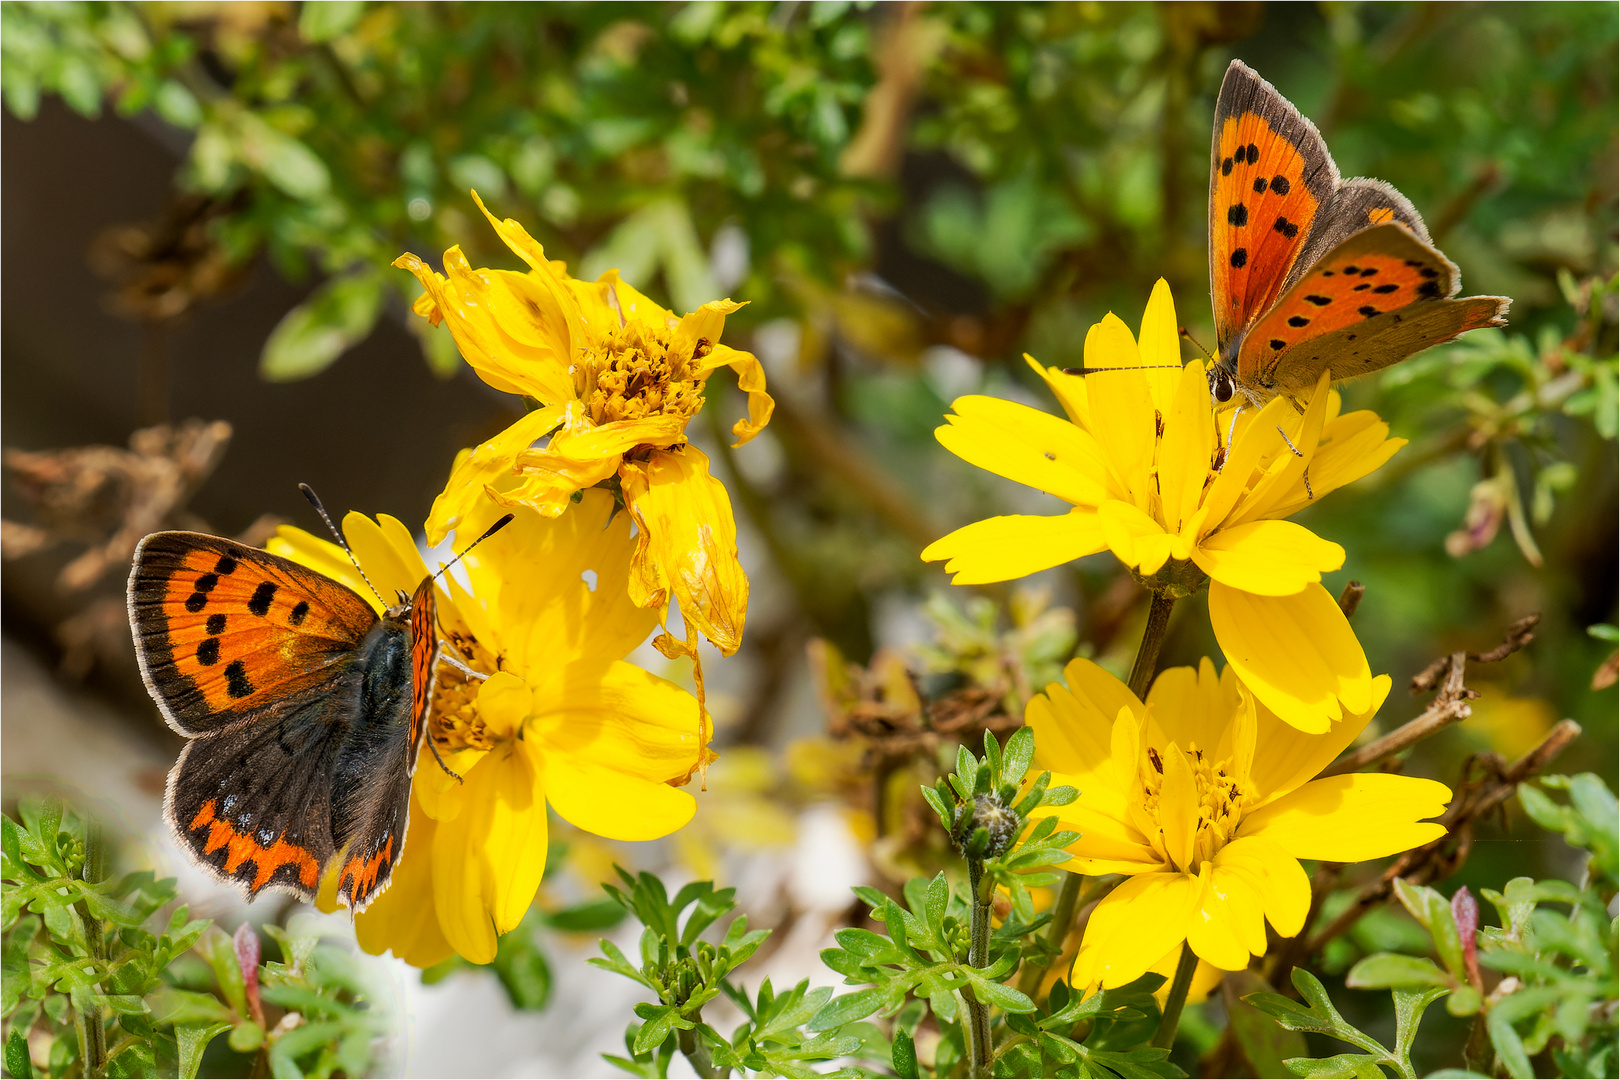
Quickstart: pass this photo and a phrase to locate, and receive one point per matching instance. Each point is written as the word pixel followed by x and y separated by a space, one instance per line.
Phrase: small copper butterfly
pixel 303 707
pixel 1308 271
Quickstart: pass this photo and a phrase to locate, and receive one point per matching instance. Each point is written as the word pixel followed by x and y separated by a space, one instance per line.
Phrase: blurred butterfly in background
pixel 305 710
pixel 1310 272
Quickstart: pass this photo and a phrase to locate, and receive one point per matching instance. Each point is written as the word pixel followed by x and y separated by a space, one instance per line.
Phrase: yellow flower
pixel 1206 799
pixel 617 378
pixel 1145 464
pixel 561 718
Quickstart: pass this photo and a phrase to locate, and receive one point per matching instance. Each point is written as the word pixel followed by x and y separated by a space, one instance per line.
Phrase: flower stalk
pixel 1170 1019
pixel 92 1027
pixel 981 1052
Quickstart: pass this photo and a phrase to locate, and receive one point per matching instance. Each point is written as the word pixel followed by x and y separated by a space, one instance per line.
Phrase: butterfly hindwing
pixel 252 802
pixel 224 631
pixel 1373 300
pixel 1270 178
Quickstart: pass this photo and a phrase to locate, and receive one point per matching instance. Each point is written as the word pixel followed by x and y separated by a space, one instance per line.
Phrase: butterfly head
pixel 1221 384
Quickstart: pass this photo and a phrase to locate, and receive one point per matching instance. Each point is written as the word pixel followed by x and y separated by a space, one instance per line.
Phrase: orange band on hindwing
pixel 242 848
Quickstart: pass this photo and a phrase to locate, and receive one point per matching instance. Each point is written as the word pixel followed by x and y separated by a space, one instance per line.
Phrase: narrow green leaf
pixel 20 1065
pixel 192 1040
pixel 337 316
pixel 846 1008
pixel 904 1056
pixel 1383 971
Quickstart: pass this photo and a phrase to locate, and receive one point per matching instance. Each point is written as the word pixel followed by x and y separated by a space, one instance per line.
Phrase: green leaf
pixel 1383 971
pixel 521 965
pixel 192 1040
pixel 20 1065
pixel 660 1019
pixel 846 1008
pixel 903 1058
pixel 338 315
pixel 318 22
pixel 1017 755
pixel 1409 1007
pixel 1338 1067
pixel 998 994
pixel 592 915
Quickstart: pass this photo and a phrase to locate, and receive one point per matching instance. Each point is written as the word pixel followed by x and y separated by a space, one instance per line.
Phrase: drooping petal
pixel 1013 440
pixel 751 381
pixel 1296 653
pixel 1134 926
pixel 1268 558
pixel 584 454
pixel 1003 548
pixel 1286 757
pixel 489 859
pixel 1352 817
pixel 687 544
pixel 403 919
pixel 485 465
pixel 628 721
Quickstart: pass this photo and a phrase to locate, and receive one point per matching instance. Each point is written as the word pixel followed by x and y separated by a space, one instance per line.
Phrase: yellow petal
pixel 620 717
pixel 403 919
pixel 441 795
pixel 485 465
pixel 687 545
pixel 1188 443
pixel 387 553
pixel 1138 540
pixel 611 803
pixel 1190 705
pixel 1353 446
pixel 487 862
pixel 1070 390
pixel 1160 348
pixel 1024 444
pixel 1257 443
pixel 1122 414
pixel 1297 654
pixel 751 381
pixel 1227 923
pixel 1072 724
pixel 1353 817
pixel 1269 558
pixel 1109 843
pixel 1178 808
pixel 1286 757
pixel 1134 926
pixel 1274 877
pixel 1003 548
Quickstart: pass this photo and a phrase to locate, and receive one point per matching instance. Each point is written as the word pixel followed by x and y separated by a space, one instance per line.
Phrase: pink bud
pixel 247 958
pixel 1465 913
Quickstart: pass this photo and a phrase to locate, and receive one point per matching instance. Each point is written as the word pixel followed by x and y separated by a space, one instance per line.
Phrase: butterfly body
pixel 1311 272
pixel 304 709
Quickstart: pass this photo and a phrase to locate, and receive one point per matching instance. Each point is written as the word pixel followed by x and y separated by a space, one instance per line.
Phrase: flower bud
pixel 985 828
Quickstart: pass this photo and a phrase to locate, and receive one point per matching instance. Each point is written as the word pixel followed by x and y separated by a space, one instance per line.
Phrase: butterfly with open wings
pixel 304 709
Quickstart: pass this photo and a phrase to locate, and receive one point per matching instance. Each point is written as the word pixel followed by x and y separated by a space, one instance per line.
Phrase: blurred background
pixel 201 203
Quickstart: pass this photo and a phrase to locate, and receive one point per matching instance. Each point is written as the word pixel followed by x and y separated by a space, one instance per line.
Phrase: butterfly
pixel 1309 272
pixel 303 707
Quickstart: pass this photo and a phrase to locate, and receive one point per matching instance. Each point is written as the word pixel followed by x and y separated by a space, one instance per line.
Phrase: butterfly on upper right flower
pixel 1310 272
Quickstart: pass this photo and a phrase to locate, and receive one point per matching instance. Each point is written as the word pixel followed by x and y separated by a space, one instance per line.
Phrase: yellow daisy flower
pixel 1206 799
pixel 1151 476
pixel 617 378
pixel 561 718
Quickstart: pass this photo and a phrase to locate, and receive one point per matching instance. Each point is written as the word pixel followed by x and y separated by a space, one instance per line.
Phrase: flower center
pixel 454 723
pixel 630 375
pixel 1219 795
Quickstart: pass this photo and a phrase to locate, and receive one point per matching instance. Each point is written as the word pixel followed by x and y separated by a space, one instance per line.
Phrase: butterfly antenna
pixel 489 532
pixel 315 501
pixel 1195 342
pixel 1126 367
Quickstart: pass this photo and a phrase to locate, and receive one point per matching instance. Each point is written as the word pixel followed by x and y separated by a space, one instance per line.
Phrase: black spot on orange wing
pixel 1280 184
pixel 1319 301
pixel 208 652
pixel 1286 227
pixel 236 679
pixel 1429 290
pixel 215 624
pixel 1259 183
pixel 1237 215
pixel 1386 289
pixel 1368 311
pixel 1363 287
pixel 259 603
pixel 1239 257
pixel 1277 344
pixel 1298 320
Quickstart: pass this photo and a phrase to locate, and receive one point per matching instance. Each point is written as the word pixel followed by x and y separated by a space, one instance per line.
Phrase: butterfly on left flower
pixel 304 707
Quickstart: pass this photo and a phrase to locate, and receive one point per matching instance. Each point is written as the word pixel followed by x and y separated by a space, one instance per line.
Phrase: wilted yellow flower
pixel 561 718
pixel 617 378
pixel 1145 463
pixel 1206 799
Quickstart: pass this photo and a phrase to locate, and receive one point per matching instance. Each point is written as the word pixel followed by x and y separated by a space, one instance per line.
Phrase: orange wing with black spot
pixel 1270 179
pixel 1371 301
pixel 224 631
pixel 424 659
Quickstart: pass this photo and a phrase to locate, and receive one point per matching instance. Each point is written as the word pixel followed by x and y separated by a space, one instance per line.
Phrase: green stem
pixel 91 1023
pixel 1166 1035
pixel 980 1052
pixel 697 1052
pixel 1029 981
pixel 1147 654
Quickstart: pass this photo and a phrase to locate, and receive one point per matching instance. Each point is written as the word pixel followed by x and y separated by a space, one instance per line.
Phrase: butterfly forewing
pixel 1270 176
pixel 223 630
pixel 424 659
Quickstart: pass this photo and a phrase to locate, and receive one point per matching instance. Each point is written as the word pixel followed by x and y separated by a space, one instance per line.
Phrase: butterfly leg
pixel 448 771
pixel 1226 450
pixel 450 658
pixel 1306 476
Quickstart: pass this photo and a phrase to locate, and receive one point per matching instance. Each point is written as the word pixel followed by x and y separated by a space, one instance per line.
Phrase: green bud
pixel 990 816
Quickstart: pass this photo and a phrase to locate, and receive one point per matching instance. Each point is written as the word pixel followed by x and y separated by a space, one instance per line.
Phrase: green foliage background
pixel 924 193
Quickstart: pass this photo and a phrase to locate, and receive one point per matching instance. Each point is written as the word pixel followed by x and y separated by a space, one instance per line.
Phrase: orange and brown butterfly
pixel 304 709
pixel 1309 272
